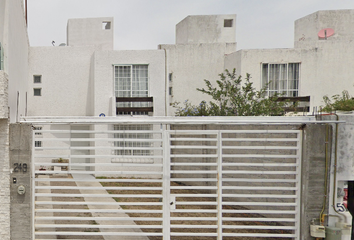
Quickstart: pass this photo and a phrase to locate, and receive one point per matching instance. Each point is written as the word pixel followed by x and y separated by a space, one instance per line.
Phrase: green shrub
pixel 342 102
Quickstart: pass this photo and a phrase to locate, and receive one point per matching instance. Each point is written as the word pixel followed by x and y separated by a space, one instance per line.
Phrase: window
pixel 37 78
pixel 37 143
pixel 131 81
pixel 281 78
pixel 106 25
pixel 170 91
pixel 170 77
pixel 37 91
pixel 228 22
pixel 136 147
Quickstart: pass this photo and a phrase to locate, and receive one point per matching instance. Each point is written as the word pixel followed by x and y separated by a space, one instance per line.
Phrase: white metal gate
pixel 166 181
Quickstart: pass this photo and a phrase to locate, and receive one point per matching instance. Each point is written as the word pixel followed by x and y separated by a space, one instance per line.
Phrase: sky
pixel 144 24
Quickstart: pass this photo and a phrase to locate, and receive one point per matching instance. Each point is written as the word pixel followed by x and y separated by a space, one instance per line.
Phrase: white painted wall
pixel 206 29
pixel 65 84
pixel 190 64
pixel 14 40
pixel 103 80
pixel 307 28
pixel 89 31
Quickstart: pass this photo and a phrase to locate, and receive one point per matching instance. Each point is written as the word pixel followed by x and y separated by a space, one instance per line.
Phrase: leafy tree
pixel 231 98
pixel 342 102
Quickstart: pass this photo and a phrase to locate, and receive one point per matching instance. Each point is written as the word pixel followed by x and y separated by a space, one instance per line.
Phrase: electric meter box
pixel 333 233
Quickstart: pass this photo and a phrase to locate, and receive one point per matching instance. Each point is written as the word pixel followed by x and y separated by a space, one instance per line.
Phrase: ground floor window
pixel 134 138
pixel 281 78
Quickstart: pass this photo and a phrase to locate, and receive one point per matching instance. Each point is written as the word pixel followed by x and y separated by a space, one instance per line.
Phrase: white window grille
pixel 281 78
pixel 136 148
pixel 131 81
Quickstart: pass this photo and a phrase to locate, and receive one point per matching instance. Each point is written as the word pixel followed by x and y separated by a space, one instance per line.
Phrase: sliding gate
pixel 161 181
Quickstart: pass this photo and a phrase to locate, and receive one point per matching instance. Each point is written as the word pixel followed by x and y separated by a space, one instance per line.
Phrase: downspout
pixel 326 176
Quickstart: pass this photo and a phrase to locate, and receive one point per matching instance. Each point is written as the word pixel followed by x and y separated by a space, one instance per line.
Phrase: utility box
pixel 318 231
pixel 333 233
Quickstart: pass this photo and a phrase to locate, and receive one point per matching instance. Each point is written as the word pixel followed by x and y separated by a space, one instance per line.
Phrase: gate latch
pixel 172 202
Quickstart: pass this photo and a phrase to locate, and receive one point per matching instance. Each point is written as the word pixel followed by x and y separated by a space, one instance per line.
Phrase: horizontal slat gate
pixel 119 182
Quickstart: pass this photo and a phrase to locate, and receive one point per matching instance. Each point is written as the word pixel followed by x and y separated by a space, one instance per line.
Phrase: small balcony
pixel 134 105
pixel 296 104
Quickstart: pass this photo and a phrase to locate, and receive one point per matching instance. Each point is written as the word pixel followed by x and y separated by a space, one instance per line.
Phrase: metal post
pixel 33 182
pixel 298 184
pixel 219 185
pixel 166 179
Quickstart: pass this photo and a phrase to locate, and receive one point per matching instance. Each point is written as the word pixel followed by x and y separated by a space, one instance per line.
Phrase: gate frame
pixel 181 120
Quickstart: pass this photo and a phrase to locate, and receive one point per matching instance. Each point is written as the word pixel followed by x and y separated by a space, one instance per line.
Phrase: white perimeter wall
pixel 14 39
pixel 190 64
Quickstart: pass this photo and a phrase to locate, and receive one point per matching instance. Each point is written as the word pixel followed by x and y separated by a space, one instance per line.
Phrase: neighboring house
pixel 84 77
pixel 321 62
pixel 87 77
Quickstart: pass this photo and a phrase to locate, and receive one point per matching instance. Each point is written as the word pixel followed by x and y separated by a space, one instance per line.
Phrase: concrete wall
pixel 65 84
pixel 313 175
pixel 190 64
pixel 91 31
pixel 4 95
pixel 345 164
pixel 21 205
pixel 307 28
pixel 5 181
pixel 206 29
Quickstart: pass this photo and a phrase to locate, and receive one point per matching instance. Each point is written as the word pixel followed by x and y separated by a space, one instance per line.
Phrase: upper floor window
pixel 131 81
pixel 228 22
pixel 281 78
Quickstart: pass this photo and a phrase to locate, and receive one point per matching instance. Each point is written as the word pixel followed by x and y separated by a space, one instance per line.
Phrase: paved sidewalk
pixel 90 183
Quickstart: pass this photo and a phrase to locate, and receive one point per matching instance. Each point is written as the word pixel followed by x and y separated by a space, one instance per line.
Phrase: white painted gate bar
pixel 93 179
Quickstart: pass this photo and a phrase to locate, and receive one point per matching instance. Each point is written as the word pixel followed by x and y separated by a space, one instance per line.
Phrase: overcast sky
pixel 143 24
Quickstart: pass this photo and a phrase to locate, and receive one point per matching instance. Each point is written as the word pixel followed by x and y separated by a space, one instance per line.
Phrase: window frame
pixel 279 89
pixel 40 92
pixel 116 84
pixel 36 76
